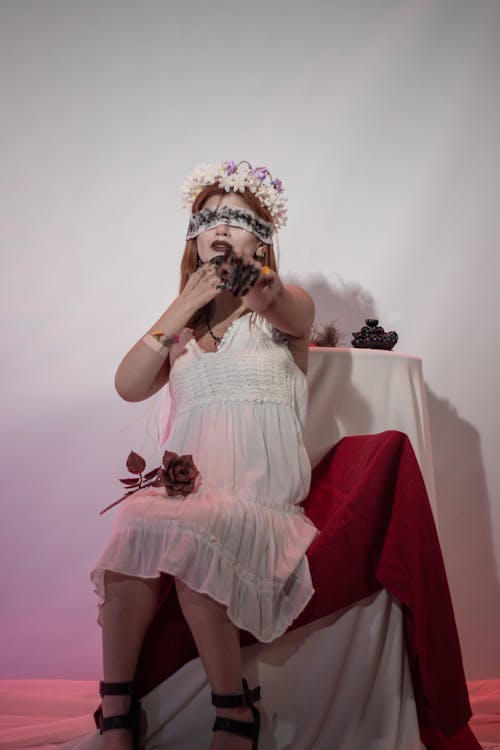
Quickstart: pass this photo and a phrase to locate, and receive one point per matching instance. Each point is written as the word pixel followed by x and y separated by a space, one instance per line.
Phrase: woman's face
pixel 215 241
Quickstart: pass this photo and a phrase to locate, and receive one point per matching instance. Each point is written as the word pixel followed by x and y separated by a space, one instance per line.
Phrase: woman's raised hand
pixel 242 278
pixel 259 286
pixel 238 275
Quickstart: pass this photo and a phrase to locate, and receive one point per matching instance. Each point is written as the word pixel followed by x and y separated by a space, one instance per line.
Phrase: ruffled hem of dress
pixel 264 608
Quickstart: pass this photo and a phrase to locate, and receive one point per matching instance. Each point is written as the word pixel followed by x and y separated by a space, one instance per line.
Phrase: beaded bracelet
pixel 161 347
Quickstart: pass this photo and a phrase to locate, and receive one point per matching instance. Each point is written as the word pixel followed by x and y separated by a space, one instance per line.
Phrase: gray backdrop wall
pixel 382 119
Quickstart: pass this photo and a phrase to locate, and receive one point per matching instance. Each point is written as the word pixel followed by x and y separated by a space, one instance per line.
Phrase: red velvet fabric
pixel 369 500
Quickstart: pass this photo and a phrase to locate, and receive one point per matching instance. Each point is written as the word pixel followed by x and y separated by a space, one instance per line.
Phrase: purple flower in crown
pixel 260 173
pixel 230 167
pixel 278 185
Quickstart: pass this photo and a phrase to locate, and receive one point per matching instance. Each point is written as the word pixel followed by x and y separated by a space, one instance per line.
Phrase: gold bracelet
pixel 161 347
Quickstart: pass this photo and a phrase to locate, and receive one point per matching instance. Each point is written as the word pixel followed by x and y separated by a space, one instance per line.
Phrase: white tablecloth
pixel 365 391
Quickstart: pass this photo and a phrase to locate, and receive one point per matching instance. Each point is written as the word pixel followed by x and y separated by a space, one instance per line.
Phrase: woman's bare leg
pixel 218 642
pixel 129 608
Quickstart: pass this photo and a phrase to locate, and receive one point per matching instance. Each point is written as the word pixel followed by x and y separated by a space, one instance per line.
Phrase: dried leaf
pixel 151 473
pixel 327 336
pixel 135 463
pixel 130 482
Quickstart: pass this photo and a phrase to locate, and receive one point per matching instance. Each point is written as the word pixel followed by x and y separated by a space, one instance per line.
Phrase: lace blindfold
pixel 208 218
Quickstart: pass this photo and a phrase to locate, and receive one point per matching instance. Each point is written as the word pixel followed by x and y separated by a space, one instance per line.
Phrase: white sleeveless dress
pixel 241 536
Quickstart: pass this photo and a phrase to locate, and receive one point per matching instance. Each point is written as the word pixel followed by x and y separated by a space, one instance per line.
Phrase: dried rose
pixel 177 474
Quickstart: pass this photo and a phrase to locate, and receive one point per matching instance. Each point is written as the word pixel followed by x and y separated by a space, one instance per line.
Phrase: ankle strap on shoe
pixel 247 698
pixel 124 721
pixel 248 729
pixel 115 688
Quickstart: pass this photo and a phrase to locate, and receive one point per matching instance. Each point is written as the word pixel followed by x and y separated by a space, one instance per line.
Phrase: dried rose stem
pixel 122 498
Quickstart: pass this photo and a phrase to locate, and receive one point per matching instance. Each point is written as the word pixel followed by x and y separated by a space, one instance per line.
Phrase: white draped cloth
pixel 342 682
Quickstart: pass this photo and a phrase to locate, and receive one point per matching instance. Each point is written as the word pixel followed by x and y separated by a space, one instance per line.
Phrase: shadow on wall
pixel 345 304
pixel 466 536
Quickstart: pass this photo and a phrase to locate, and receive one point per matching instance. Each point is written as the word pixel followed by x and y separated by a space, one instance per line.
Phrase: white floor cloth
pixel 340 683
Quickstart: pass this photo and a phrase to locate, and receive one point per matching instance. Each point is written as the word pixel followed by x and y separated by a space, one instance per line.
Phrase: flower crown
pixel 231 176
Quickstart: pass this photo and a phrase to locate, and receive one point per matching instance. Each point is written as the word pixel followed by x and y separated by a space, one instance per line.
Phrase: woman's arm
pixel 288 308
pixel 291 311
pixel 143 371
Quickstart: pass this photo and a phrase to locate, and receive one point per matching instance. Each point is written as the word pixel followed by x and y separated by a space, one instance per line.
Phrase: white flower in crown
pixel 231 176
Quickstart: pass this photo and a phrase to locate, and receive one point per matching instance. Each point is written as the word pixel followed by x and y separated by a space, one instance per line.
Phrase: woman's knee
pixel 192 601
pixel 127 594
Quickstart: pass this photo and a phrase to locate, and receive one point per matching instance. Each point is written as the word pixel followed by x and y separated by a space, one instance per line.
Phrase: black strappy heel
pixel 249 729
pixel 123 721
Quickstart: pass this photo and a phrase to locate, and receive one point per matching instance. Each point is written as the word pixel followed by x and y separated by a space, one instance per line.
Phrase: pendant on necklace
pixel 218 339
pixel 215 338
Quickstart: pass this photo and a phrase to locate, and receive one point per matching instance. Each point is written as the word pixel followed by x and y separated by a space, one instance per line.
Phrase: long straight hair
pixel 190 255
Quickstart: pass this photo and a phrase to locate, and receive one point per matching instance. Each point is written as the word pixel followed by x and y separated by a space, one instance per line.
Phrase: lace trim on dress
pixel 264 608
pixel 203 537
